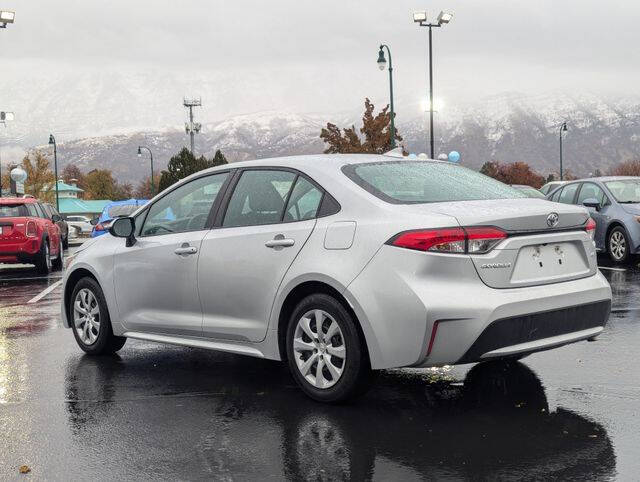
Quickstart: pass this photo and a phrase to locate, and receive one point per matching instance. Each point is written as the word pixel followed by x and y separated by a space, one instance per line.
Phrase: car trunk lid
pixel 547 242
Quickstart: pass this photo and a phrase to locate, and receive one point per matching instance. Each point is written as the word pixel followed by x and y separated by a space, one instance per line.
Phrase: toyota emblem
pixel 552 220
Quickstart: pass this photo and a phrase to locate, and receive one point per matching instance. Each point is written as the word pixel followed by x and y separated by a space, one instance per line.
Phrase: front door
pixel 156 278
pixel 269 218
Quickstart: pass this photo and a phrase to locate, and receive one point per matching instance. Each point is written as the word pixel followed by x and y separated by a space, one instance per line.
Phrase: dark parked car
pixel 52 214
pixel 614 203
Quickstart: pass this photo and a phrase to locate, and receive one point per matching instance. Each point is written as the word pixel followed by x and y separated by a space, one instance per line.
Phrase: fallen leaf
pixel 24 469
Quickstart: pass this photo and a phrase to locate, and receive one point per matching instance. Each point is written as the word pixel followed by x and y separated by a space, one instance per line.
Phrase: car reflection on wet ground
pixel 163 412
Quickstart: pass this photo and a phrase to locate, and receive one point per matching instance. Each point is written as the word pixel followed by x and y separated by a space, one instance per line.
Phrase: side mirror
pixel 124 228
pixel 94 221
pixel 56 218
pixel 591 203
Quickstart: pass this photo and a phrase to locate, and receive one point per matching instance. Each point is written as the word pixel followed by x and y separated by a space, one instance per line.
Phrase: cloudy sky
pixel 132 61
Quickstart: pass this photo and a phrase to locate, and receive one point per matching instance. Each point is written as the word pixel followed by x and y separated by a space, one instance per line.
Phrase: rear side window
pixel 32 210
pixel 259 198
pixel 303 202
pixel 554 197
pixel 568 193
pixel 13 211
pixel 407 182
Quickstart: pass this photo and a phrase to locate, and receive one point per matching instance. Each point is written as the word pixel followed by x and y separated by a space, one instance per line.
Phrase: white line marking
pixel 45 292
pixel 612 269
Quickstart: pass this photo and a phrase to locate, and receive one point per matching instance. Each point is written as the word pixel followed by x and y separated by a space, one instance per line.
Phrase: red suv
pixel 27 235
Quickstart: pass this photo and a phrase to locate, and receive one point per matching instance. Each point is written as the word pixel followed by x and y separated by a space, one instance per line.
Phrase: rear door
pixel 155 280
pixel 268 218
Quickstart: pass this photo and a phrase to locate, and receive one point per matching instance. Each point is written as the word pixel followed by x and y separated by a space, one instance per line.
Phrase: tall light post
pixel 6 17
pixel 563 128
pixel 150 155
pixel 382 62
pixel 421 19
pixel 4 118
pixel 52 142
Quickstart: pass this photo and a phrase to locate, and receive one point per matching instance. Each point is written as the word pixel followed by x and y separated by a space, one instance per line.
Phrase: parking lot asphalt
pixel 165 412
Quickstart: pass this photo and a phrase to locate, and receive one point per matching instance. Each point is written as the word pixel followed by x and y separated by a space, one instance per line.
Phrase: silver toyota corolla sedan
pixel 340 265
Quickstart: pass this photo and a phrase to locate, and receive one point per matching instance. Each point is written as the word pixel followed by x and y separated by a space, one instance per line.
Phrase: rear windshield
pixel 13 211
pixel 407 182
pixel 626 191
pixel 122 210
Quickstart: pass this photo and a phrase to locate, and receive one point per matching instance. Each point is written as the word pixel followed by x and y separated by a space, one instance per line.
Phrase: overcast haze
pixel 131 62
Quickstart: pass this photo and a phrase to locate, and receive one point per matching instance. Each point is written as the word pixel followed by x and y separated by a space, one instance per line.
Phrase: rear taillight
pixel 99 227
pixel 590 228
pixel 470 240
pixel 32 229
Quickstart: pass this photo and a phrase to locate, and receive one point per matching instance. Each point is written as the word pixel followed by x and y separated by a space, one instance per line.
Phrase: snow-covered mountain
pixel 511 127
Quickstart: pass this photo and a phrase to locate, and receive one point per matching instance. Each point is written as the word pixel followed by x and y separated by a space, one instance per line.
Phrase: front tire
pixel 90 319
pixel 326 354
pixel 65 242
pixel 618 245
pixel 58 263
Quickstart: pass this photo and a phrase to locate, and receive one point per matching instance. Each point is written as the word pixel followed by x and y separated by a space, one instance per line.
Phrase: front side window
pixel 304 201
pixel 591 191
pixel 568 193
pixel 407 182
pixel 259 198
pixel 626 191
pixel 184 209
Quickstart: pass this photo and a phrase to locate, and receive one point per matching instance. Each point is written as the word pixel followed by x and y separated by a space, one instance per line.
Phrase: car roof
pixel 18 200
pixel 610 178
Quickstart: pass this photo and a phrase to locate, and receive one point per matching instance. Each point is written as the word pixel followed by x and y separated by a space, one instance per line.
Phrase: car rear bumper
pixel 419 309
pixel 19 252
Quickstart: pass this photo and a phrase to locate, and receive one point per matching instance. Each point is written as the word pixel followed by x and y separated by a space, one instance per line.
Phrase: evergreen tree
pixel 184 164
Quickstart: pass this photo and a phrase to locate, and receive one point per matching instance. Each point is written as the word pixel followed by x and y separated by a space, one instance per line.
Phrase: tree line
pixel 101 183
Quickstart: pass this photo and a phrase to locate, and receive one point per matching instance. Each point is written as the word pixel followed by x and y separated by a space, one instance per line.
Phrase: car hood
pixel 631 208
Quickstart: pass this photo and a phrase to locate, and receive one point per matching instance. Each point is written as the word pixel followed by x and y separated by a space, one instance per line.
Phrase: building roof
pixel 77 206
pixel 64 187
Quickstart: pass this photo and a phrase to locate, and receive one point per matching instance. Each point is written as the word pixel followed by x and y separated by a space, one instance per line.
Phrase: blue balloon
pixel 454 156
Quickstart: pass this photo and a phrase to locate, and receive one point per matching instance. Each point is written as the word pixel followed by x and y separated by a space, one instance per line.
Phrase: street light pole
pixel 4 117
pixel 421 19
pixel 563 128
pixel 381 63
pixel 150 155
pixel 52 141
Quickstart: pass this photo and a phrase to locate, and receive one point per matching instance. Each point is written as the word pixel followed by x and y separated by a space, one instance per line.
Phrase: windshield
pixel 407 182
pixel 625 191
pixel 121 210
pixel 13 211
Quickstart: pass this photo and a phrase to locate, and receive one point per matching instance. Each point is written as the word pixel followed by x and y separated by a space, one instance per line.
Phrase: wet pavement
pixel 164 412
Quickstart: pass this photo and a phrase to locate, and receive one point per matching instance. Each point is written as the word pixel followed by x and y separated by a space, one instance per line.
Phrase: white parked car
pixel 81 223
pixel 341 264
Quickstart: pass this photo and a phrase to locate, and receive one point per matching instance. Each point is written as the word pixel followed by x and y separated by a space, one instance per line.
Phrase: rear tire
pixel 332 366
pixel 618 245
pixel 90 320
pixel 43 258
pixel 58 263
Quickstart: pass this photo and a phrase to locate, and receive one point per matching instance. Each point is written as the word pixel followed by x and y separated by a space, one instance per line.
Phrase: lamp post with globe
pixel 18 176
pixel 52 141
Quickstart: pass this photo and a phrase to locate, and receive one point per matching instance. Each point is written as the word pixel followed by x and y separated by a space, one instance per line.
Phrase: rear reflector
pixel 471 240
pixel 434 331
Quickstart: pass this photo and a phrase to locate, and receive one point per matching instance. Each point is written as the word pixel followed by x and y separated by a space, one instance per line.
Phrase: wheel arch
pixel 69 286
pixel 298 293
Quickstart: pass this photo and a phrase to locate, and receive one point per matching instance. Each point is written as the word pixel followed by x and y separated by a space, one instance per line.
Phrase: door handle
pixel 280 242
pixel 186 250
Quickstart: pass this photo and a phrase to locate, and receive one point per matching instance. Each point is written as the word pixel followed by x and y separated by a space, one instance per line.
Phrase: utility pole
pixel 192 128
pixel 4 117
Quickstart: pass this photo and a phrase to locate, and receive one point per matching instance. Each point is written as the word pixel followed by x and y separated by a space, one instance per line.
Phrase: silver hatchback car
pixel 340 265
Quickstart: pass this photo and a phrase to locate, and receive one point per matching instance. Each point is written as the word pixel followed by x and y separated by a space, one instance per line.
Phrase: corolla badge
pixel 552 220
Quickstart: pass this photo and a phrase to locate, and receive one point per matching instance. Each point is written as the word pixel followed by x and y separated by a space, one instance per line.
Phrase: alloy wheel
pixel 319 349
pixel 86 316
pixel 618 245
